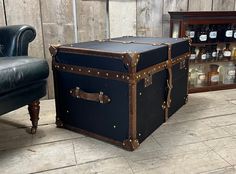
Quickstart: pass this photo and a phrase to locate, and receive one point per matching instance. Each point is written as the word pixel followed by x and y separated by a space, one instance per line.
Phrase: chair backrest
pixel 14 40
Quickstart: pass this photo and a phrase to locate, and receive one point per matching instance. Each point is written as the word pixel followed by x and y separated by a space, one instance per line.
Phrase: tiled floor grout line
pixel 218 154
pixel 39 144
pixel 74 152
pixel 53 169
pixel 213 170
pixel 204 118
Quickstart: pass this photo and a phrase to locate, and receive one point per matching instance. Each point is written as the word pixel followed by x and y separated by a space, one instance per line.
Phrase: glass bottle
pixel 208 53
pixel 214 52
pixel 193 55
pixel 202 54
pixel 228 33
pixel 192 33
pixel 212 36
pixel 202 35
pixel 228 73
pixel 213 74
pixel 201 76
pixel 193 77
pixel 234 54
pixel 220 55
pixel 234 33
pixel 227 52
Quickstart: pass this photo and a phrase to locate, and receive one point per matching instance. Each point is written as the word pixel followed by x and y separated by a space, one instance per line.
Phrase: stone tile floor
pixel 199 138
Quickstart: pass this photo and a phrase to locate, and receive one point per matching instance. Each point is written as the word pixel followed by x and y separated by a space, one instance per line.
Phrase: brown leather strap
pixel 96 97
pixel 169 65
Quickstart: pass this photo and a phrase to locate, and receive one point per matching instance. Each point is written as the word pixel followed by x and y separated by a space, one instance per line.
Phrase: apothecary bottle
pixel 202 35
pixel 227 52
pixel 214 52
pixel 228 33
pixel 193 77
pixel 212 36
pixel 234 31
pixel 202 54
pixel 213 74
pixel 228 73
pixel 201 78
pixel 191 32
pixel 193 55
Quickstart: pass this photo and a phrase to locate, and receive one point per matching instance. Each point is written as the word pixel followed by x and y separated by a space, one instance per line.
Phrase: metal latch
pixel 148 80
pixel 182 64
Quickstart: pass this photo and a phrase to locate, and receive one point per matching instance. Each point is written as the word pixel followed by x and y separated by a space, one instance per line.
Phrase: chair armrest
pixel 14 39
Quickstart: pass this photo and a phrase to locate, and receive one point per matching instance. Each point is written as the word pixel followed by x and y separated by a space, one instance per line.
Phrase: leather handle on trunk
pixel 96 97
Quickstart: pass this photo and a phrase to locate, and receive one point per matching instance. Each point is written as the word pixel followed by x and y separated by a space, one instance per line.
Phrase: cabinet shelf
pixel 212 62
pixel 209 44
pixel 207 88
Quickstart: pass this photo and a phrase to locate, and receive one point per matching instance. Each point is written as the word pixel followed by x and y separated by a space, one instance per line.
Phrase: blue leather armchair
pixel 22 78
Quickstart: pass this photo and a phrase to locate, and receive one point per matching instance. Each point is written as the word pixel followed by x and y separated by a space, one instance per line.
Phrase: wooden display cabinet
pixel 217 27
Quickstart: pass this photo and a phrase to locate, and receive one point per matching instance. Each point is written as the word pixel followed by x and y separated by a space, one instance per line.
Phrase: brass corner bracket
pixel 53 49
pixel 132 59
pixel 130 144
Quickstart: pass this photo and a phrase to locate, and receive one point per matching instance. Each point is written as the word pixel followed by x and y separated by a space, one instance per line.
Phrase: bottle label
pixel 203 37
pixel 235 34
pixel 213 34
pixel 203 57
pixel 202 77
pixel 214 54
pixel 227 53
pixel 215 78
pixel 231 73
pixel 229 33
pixel 192 56
pixel 191 34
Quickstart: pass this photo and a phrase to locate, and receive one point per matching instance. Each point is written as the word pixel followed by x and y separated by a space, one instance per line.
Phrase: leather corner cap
pixel 21 71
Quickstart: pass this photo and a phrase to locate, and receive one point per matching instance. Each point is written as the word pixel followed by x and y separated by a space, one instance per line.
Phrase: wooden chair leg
pixel 34 115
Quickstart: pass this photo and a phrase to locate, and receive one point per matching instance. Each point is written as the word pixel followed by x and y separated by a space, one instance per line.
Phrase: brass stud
pixel 64 67
pixel 72 69
pixel 71 92
pixel 107 74
pixel 123 77
pixel 79 69
pixel 109 100
pixel 117 76
pixel 127 78
pixel 89 71
pixel 98 72
pixel 130 140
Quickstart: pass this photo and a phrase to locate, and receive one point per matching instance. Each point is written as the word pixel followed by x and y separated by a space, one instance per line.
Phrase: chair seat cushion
pixel 16 72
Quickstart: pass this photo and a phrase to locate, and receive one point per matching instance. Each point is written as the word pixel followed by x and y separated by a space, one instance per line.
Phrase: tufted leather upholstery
pixel 22 78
